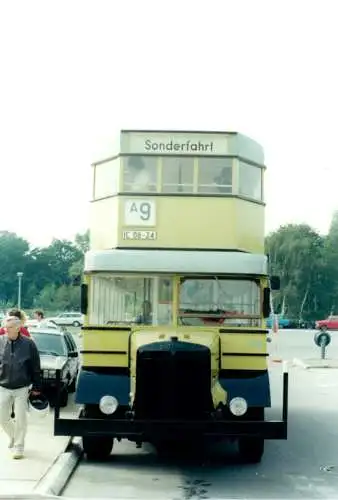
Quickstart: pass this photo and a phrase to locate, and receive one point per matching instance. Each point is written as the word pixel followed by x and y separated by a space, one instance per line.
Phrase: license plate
pixel 139 235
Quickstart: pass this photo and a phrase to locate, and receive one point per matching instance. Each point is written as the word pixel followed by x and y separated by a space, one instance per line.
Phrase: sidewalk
pixel 41 450
pixel 315 363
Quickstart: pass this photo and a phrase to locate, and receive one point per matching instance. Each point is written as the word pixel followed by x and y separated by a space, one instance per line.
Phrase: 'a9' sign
pixel 139 213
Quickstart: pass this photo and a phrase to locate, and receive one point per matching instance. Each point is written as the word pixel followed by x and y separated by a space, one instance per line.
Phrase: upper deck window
pixel 106 178
pixel 250 181
pixel 177 174
pixel 140 174
pixel 215 175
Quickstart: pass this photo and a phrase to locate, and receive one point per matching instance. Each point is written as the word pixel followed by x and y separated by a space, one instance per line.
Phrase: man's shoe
pixel 17 454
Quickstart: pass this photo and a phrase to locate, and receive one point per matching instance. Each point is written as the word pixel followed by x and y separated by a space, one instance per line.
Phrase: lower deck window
pixel 140 300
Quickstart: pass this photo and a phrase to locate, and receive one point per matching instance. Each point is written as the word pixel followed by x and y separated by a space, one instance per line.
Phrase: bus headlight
pixel 108 405
pixel 238 406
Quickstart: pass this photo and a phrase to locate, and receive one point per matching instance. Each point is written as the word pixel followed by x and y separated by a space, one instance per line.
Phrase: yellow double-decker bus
pixel 175 295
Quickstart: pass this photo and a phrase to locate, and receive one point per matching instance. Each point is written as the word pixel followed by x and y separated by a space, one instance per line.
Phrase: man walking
pixel 19 369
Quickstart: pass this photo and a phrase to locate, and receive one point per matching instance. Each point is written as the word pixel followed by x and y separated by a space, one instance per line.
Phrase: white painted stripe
pixel 170 261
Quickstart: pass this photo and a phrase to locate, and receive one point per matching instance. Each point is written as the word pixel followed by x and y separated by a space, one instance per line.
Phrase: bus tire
pixel 97 448
pixel 251 450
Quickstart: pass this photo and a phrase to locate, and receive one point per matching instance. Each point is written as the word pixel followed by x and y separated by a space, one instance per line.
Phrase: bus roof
pixel 175 261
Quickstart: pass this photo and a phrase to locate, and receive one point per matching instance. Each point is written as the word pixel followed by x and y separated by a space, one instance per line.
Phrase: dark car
pixel 58 350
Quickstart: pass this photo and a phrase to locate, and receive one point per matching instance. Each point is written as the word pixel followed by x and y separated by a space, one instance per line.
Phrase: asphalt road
pixel 304 466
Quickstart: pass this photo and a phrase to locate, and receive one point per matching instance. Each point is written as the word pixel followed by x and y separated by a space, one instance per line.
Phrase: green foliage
pixel 308 266
pixel 48 272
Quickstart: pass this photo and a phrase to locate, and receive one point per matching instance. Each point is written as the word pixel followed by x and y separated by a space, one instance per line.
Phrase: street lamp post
pixel 19 275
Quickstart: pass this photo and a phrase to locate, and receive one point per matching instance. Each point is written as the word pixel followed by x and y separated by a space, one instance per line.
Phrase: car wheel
pixel 64 398
pixel 76 323
pixel 72 386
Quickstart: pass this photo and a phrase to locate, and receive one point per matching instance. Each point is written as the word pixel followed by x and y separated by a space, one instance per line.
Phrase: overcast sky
pixel 75 72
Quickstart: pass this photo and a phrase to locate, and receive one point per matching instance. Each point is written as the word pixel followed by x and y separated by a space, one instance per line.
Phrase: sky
pixel 73 73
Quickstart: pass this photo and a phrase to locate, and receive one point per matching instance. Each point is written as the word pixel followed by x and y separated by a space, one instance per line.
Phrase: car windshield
pixel 49 343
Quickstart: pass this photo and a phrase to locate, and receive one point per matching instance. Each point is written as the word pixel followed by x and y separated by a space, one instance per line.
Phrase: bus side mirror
pixel 76 281
pixel 266 303
pixel 84 298
pixel 275 283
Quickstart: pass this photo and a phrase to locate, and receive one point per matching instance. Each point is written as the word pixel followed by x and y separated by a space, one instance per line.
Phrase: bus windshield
pixel 217 300
pixel 118 300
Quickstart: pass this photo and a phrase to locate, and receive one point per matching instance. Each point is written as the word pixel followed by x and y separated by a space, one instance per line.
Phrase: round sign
pixel 322 339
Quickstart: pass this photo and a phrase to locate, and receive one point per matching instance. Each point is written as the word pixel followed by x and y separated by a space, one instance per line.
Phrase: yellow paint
pixel 105 340
pixel 249 226
pixel 241 342
pixel 104 228
pixel 116 340
pixel 244 363
pixel 104 360
pixel 224 222
pixel 186 221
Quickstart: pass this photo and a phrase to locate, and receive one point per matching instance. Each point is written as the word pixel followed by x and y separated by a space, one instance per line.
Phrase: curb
pixel 29 496
pixel 57 476
pixel 324 363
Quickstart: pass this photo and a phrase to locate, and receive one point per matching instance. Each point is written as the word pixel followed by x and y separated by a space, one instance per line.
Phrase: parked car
pixel 330 323
pixel 34 323
pixel 282 322
pixel 67 319
pixel 58 350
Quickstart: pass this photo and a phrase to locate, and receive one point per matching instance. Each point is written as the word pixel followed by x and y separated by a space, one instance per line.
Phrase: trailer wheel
pixel 97 448
pixel 251 450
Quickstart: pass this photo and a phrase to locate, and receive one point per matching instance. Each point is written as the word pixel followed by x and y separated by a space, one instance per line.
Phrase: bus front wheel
pixel 97 448
pixel 251 450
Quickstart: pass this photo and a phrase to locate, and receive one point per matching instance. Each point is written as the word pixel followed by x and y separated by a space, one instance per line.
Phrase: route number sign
pixel 139 213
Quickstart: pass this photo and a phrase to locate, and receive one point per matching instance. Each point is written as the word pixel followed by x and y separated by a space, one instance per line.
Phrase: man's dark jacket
pixel 19 363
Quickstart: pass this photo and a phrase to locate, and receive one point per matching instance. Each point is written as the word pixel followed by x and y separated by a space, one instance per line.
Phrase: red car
pixel 331 323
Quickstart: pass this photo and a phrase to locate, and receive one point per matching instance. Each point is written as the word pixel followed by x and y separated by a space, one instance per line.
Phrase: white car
pixel 67 319
pixel 34 323
pixel 58 351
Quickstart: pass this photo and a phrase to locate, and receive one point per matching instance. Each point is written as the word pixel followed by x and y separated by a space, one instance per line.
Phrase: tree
pixel 76 269
pixel 82 241
pixel 48 272
pixel 14 257
pixel 60 255
pixel 331 265
pixel 296 254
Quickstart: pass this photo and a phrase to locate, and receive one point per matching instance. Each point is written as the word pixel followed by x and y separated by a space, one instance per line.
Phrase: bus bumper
pixel 145 430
